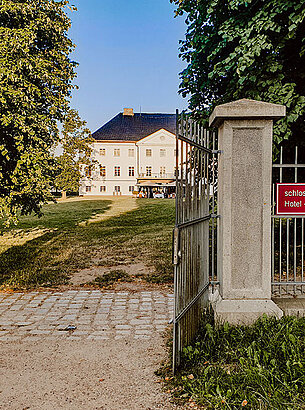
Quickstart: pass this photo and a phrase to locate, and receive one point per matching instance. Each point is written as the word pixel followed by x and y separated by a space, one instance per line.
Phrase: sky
pixel 128 57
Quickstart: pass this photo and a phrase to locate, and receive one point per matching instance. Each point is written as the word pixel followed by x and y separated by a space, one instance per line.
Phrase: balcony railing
pixel 165 175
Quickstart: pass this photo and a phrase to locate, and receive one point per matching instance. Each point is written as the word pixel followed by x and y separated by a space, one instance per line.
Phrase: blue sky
pixel 128 57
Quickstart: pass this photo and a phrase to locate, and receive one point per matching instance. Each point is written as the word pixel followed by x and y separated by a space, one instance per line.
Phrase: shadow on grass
pixel 62 215
pixel 142 235
pixel 23 266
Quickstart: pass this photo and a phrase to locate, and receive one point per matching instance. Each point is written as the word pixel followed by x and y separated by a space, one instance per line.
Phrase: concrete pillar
pixel 244 204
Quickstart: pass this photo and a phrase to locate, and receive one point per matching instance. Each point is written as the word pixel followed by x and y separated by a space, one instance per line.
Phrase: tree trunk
pixel 63 194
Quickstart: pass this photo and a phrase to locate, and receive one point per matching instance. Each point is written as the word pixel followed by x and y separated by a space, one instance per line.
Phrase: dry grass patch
pixel 119 206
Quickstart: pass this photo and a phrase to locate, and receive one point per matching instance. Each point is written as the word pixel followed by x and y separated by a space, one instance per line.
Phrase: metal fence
pixel 287 236
pixel 194 252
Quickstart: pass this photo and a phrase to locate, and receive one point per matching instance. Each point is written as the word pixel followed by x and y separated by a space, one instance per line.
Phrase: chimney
pixel 128 111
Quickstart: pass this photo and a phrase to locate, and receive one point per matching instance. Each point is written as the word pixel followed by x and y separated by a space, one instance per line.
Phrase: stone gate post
pixel 245 130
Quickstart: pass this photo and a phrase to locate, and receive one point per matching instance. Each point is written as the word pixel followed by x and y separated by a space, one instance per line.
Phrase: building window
pixel 162 171
pixel 116 152
pixel 148 171
pixel 117 171
pixel 102 171
pixel 131 188
pixel 102 188
pixel 162 152
pixel 103 152
pixel 117 189
pixel 148 152
pixel 88 171
pixel 88 188
pixel 131 152
pixel 131 171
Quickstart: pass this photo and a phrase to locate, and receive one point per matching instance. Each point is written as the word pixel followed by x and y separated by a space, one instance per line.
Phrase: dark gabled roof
pixel 135 127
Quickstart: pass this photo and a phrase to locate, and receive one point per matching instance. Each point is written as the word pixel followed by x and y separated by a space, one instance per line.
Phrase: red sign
pixel 290 199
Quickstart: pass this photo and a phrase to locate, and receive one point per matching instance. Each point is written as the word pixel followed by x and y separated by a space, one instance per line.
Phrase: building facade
pixel 133 152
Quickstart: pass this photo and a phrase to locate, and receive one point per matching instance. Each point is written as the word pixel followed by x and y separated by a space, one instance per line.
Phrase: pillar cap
pixel 246 109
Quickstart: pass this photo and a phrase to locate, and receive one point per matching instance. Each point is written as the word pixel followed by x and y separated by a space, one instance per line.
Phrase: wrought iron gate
pixel 287 233
pixel 194 242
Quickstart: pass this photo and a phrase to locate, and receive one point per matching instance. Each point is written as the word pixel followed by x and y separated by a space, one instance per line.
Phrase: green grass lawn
pixel 253 367
pixel 57 246
pixel 63 215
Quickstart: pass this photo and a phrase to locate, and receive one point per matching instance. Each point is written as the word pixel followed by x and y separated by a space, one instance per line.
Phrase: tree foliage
pixel 246 49
pixel 36 76
pixel 77 148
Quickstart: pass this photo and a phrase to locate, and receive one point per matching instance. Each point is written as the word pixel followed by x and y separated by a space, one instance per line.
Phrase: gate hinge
pixel 215 216
pixel 216 151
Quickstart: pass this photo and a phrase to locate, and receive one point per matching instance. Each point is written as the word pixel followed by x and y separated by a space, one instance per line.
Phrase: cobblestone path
pixel 84 314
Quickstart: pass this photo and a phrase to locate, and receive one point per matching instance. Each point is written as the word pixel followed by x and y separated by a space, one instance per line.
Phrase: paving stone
pixel 138 322
pixel 9 338
pixel 142 337
pixel 123 332
pixel 93 337
pixel 102 332
pixel 39 332
pixel 97 315
pixel 143 332
pixel 123 327
pixel 81 332
pixel 159 321
pixel 5 322
pixel 144 326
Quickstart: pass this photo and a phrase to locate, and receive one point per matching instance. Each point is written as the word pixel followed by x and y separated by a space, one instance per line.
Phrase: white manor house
pixel 134 152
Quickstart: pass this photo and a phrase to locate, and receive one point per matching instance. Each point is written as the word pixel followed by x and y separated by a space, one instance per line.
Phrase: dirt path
pixel 68 374
pixel 107 361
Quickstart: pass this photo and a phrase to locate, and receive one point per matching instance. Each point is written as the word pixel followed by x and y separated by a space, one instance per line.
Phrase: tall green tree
pixel 77 148
pixel 246 49
pixel 36 76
